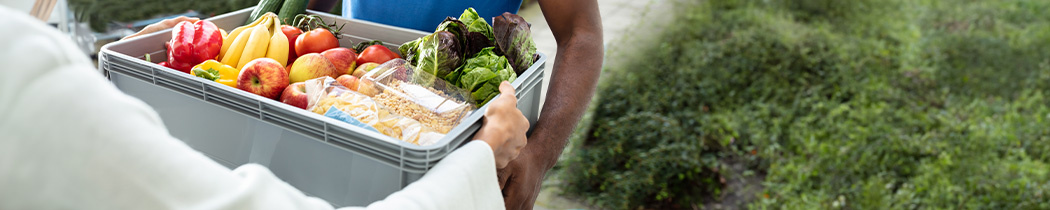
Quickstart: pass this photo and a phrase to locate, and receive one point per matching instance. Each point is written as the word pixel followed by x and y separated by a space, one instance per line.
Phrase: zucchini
pixel 264 7
pixel 290 9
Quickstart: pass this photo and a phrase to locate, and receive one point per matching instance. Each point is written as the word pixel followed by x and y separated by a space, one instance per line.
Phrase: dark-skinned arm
pixel 577 28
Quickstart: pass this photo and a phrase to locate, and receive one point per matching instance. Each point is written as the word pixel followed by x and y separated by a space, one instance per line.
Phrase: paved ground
pixel 621 24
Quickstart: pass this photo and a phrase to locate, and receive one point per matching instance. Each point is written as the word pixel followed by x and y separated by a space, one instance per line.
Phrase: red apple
pixel 342 58
pixel 295 95
pixel 311 65
pixel 263 76
pixel 348 81
pixel 363 69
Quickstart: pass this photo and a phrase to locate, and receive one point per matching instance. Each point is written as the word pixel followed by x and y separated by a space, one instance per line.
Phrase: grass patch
pixel 870 104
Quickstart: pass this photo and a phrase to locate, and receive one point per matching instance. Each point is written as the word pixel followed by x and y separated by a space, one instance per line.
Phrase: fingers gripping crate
pixel 323 157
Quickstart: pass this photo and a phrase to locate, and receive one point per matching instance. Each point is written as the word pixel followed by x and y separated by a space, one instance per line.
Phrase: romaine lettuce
pixel 482 75
pixel 514 39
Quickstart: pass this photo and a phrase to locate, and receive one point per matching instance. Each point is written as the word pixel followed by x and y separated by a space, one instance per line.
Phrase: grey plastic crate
pixel 343 164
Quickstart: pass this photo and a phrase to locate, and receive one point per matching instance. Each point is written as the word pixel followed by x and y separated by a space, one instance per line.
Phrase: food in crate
pixel 326 96
pixel 395 100
pixel 215 71
pixel 417 94
pixel 446 75
pixel 262 38
pixel 192 44
pixel 469 53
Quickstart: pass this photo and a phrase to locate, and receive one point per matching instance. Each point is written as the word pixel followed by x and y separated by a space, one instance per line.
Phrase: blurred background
pixel 784 104
pixel 94 23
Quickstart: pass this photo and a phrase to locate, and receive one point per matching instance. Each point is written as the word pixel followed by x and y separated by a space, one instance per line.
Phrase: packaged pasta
pixel 417 94
pixel 327 96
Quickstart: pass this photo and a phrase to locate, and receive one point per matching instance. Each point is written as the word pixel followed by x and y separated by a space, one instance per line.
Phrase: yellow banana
pixel 278 47
pixel 228 40
pixel 257 44
pixel 238 40
pixel 233 54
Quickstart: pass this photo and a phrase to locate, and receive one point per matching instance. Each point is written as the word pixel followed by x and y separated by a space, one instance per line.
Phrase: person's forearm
pixel 574 78
pixel 577 27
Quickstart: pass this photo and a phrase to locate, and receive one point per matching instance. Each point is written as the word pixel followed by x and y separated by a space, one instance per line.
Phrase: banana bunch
pixel 262 38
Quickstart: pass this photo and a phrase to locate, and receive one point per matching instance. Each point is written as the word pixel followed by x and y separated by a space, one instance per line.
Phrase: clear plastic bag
pixel 419 95
pixel 325 93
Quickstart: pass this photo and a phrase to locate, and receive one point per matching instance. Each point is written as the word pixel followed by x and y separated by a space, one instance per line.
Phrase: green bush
pixel 839 104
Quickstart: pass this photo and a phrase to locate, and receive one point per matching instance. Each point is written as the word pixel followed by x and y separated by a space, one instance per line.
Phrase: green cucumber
pixel 264 7
pixel 290 9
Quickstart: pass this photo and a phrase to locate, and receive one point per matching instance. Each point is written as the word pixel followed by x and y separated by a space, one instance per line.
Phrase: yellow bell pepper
pixel 215 71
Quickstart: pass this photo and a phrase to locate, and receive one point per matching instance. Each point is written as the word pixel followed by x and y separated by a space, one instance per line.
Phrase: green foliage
pixel 99 13
pixel 636 156
pixel 865 104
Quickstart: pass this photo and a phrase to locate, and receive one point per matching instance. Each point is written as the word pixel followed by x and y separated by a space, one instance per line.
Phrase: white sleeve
pixel 465 179
pixel 70 140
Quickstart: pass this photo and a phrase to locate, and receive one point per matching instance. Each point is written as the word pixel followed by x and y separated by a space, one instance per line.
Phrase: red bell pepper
pixel 193 43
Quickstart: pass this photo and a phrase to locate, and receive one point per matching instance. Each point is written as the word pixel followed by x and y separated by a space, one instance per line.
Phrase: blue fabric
pixel 425 15
pixel 343 116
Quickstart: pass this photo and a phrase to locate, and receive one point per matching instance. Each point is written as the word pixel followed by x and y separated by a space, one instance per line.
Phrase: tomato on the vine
pixel 292 33
pixel 315 41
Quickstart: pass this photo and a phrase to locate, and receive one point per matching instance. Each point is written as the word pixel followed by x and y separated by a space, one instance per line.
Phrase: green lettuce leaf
pixel 482 74
pixel 506 74
pixel 484 94
pixel 475 78
pixel 475 23
pixel 437 54
pixel 408 49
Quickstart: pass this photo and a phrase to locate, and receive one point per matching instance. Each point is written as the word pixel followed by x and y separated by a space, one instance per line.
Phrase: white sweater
pixel 69 139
